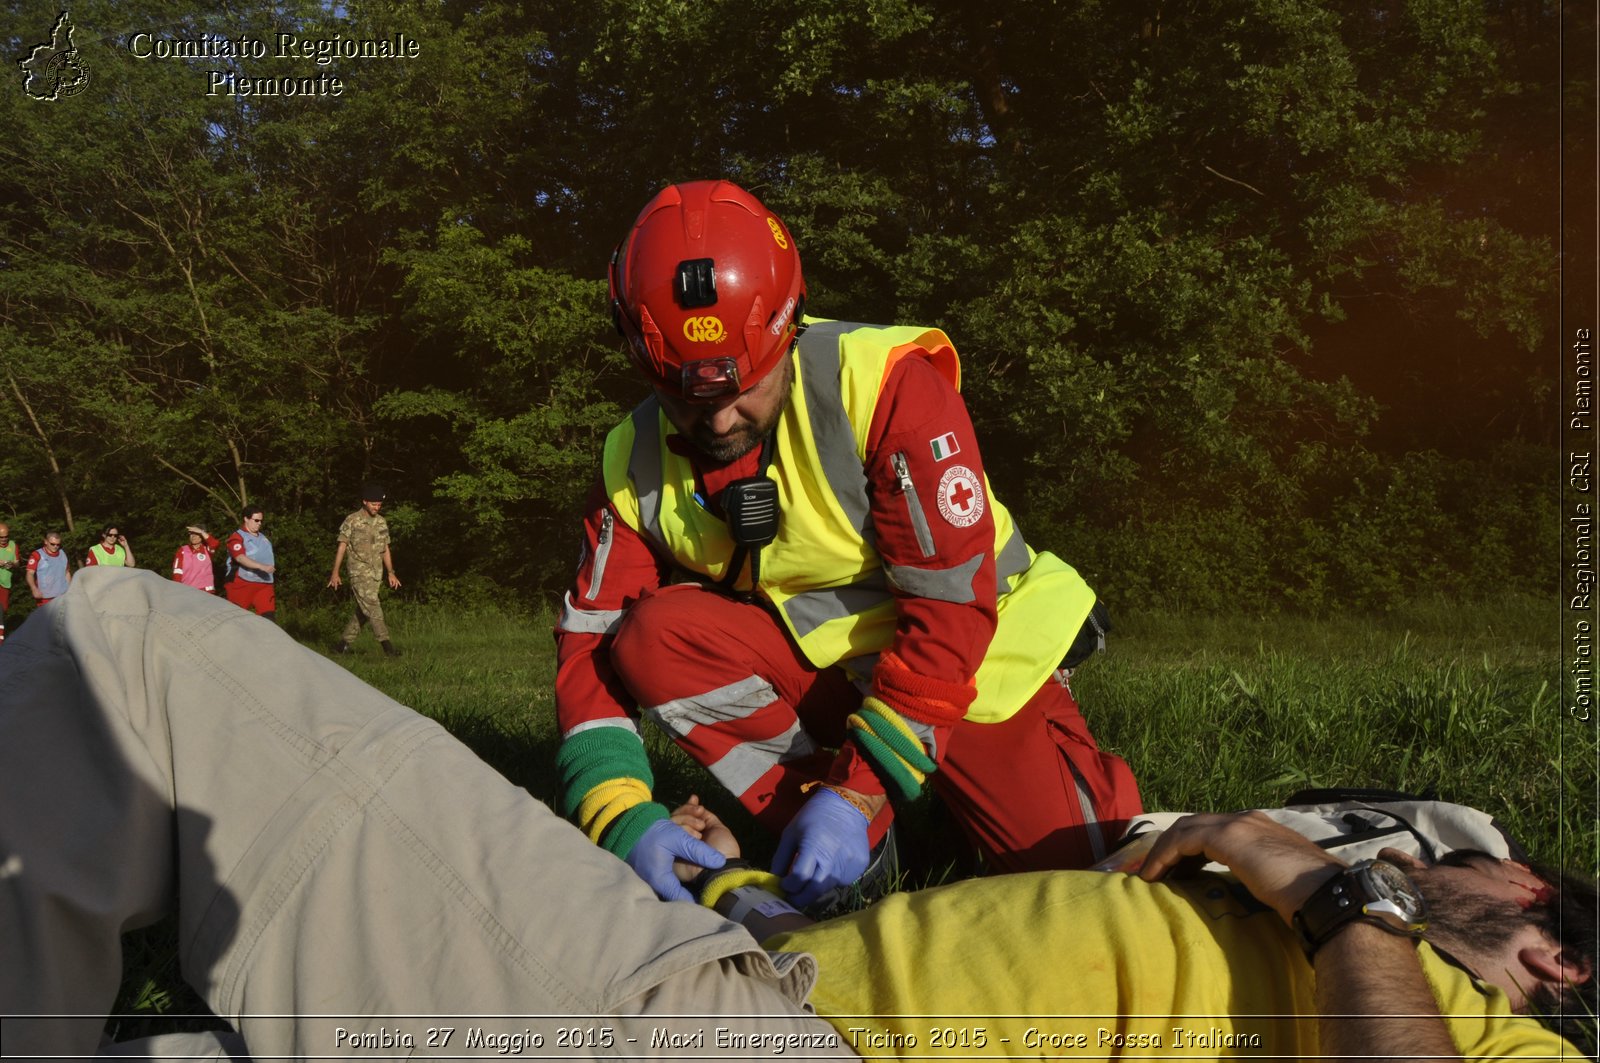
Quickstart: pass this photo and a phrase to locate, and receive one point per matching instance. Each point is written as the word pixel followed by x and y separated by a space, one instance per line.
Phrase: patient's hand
pixel 702 823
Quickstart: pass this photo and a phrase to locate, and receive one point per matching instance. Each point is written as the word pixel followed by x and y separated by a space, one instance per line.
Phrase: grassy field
pixel 1461 702
pixel 1211 713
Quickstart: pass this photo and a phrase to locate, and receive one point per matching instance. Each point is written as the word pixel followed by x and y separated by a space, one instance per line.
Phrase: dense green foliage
pixel 1164 235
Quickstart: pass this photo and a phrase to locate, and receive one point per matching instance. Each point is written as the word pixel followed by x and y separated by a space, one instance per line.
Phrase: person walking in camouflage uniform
pixel 364 536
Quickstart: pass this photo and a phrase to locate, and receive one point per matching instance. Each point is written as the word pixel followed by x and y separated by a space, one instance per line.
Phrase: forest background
pixel 1256 298
pixel 1257 302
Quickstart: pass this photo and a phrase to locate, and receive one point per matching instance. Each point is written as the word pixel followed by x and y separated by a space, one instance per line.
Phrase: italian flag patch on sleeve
pixel 945 446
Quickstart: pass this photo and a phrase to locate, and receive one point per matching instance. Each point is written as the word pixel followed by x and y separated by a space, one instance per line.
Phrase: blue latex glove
pixel 652 856
pixel 822 847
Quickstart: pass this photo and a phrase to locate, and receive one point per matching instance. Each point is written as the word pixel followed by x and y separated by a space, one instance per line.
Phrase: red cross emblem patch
pixel 960 496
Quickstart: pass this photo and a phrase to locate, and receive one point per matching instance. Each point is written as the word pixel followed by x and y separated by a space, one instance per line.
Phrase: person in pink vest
pixel 191 565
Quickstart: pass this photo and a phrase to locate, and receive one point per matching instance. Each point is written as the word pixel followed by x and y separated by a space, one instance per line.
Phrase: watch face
pixel 1395 893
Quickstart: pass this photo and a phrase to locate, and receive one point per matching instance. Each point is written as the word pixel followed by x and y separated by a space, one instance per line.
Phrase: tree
pixel 1161 233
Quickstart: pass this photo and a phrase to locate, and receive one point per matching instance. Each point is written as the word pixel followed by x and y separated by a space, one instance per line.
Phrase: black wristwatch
pixel 1373 891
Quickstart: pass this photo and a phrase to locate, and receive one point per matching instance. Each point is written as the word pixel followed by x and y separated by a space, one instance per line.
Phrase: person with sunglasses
pixel 253 567
pixel 49 573
pixel 112 549
pixel 793 563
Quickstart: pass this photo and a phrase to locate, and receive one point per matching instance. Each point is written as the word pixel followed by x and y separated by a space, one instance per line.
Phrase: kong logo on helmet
pixel 706 329
pixel 694 246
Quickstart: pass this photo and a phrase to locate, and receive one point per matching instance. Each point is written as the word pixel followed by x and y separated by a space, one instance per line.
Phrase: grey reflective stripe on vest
pixel 830 425
pixel 835 440
pixel 644 465
pixel 1013 559
pixel 810 610
pixel 940 585
pixel 836 443
pixel 586 621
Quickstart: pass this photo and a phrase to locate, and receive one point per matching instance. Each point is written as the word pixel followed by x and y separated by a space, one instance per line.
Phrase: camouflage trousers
pixel 368 611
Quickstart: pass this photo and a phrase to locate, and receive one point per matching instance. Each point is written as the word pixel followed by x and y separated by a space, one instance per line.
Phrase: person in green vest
pixel 794 564
pixel 112 549
pixel 8 564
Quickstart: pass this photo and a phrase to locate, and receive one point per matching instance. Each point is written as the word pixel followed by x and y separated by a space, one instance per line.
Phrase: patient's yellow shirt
pixel 1063 965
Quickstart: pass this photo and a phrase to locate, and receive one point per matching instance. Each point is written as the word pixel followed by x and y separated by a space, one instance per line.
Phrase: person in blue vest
pixel 794 564
pixel 49 573
pixel 254 567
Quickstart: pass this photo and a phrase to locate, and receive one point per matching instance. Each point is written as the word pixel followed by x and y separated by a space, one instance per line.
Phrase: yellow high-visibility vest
pixel 821 574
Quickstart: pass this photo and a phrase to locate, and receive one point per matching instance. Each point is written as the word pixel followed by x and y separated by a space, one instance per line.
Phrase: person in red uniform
pixel 832 661
pixel 254 567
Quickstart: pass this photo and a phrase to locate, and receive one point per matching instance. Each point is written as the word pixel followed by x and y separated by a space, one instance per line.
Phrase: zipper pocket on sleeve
pixel 602 550
pixel 919 519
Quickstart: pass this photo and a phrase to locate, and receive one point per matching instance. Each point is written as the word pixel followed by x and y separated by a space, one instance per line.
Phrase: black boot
pixel 389 650
pixel 341 647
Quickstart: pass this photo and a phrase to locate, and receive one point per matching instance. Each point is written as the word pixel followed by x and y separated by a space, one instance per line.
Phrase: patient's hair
pixel 1569 919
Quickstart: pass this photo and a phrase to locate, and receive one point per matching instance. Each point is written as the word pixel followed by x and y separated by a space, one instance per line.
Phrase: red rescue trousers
pixel 725 681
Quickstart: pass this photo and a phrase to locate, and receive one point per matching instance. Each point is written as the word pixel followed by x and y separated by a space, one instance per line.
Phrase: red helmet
pixel 706 289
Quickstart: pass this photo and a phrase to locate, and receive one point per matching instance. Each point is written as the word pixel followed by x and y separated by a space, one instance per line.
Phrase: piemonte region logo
pixel 55 70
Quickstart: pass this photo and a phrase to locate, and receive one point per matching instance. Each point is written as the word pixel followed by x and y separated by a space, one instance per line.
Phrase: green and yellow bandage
pixel 605 787
pixel 891 745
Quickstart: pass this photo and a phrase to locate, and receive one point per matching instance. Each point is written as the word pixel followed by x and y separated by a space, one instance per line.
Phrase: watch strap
pixel 1344 898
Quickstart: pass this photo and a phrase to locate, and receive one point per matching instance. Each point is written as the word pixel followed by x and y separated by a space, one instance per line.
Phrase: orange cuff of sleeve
pixel 937 702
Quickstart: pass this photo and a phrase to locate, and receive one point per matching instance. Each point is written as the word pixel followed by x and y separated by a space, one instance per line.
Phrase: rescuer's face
pixel 729 428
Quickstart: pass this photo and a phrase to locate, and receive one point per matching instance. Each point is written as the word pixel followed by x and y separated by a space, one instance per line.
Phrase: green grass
pixel 1212 713
pixel 1461 702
